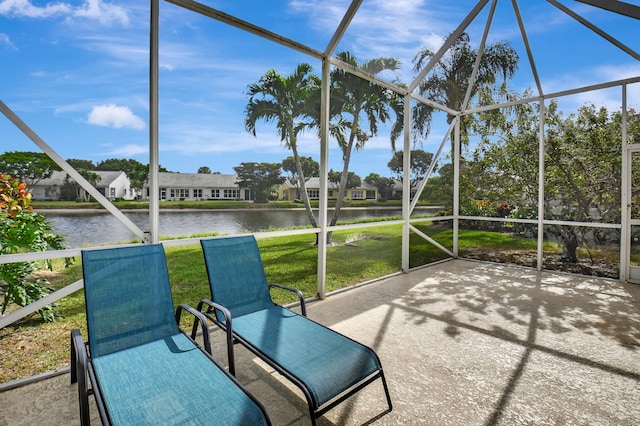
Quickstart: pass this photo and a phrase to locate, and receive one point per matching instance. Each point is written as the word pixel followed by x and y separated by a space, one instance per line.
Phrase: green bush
pixel 23 230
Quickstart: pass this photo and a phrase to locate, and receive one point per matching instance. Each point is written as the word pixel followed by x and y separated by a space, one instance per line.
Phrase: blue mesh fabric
pixel 128 297
pixel 170 381
pixel 328 362
pixel 236 274
pixel 148 372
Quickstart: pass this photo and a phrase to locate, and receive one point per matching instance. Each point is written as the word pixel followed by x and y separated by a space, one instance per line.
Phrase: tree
pixel 204 170
pixel 583 161
pixel 118 165
pixel 582 172
pixel 439 189
pixel 310 168
pixel 21 229
pixel 71 190
pixel 27 167
pixel 137 172
pixel 451 77
pixel 420 163
pixel 285 100
pixel 259 178
pixel 359 101
pixel 353 180
pixel 81 164
pixel 385 185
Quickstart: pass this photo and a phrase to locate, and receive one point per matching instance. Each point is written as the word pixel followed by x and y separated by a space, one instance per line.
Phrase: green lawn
pixel 30 347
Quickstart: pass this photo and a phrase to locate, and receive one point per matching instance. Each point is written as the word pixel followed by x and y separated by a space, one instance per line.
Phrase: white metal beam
pixel 154 150
pixel 625 194
pixel 541 168
pixel 406 183
pixel 324 178
pixel 246 26
pixel 432 166
pixel 627 9
pixel 91 190
pixel 456 186
pixel 559 94
pixel 476 65
pixel 447 44
pixel 595 29
pixel 525 40
pixel 40 303
pixel 342 27
pixel 367 76
pixel 434 104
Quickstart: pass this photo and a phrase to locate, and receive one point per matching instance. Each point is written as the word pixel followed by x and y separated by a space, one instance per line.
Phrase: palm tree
pixel 451 76
pixel 359 101
pixel 284 100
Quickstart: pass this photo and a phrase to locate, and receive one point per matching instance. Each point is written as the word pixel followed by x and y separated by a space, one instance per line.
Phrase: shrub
pixel 23 230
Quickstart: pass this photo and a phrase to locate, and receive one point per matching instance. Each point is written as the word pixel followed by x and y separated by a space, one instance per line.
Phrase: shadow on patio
pixel 462 343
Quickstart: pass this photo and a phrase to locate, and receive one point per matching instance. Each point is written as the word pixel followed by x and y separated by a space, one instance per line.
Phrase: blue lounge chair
pixel 327 366
pixel 142 369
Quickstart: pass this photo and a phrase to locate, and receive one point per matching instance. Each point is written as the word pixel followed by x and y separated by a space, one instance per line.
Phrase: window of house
pixel 357 195
pixel 215 193
pixel 50 192
pixel 313 193
pixel 112 192
pixel 197 193
pixel 179 192
pixel 231 193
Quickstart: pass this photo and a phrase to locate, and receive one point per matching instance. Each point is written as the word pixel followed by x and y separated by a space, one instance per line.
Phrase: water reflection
pixel 84 229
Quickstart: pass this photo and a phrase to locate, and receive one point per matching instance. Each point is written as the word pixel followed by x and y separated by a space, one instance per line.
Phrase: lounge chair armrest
pixel 303 306
pixel 199 318
pixel 227 325
pixel 79 367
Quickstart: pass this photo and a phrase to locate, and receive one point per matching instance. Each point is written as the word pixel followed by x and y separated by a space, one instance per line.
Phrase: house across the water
pixel 365 191
pixel 113 185
pixel 198 186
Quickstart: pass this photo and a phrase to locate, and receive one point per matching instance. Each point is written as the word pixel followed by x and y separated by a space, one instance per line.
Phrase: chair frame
pixel 209 308
pixel 82 367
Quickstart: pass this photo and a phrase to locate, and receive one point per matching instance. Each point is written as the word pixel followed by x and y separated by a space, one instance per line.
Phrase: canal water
pixel 84 229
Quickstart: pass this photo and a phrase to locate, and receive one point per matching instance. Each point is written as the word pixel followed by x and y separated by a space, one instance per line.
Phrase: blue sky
pixel 77 71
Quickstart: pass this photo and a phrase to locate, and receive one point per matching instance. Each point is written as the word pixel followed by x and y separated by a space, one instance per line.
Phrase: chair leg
pixel 386 390
pixel 72 357
pixel 79 374
pixel 313 416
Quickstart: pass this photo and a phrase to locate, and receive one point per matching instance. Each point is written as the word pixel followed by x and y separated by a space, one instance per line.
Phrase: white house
pixel 198 186
pixel 365 191
pixel 113 185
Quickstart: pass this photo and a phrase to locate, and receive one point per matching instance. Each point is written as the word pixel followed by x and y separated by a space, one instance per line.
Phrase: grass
pixel 30 347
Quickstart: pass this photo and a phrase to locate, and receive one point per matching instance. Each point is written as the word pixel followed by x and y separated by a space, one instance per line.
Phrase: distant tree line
pixel 261 178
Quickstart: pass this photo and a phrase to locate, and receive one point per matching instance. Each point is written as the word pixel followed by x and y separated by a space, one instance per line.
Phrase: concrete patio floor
pixel 461 342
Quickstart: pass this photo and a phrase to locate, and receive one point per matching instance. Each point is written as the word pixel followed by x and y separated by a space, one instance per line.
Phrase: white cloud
pixel 115 116
pixel 381 28
pixel 95 10
pixel 6 41
pixel 611 98
pixel 203 140
pixel 105 13
pixel 24 8
pixel 128 151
